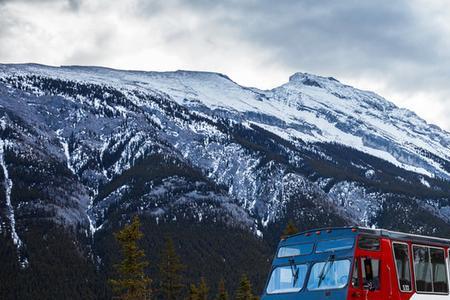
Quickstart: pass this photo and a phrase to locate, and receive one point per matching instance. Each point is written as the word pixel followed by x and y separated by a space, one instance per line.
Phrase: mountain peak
pixel 200 73
pixel 310 79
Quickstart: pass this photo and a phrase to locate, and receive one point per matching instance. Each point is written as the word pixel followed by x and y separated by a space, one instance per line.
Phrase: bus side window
pixel 370 273
pixel 430 269
pixel 422 269
pixel 439 270
pixel 369 243
pixel 355 275
pixel 401 256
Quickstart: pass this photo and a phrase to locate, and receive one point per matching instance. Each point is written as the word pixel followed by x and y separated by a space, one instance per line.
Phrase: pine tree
pixel 193 293
pixel 290 229
pixel 222 294
pixel 170 270
pixel 244 291
pixel 203 289
pixel 132 283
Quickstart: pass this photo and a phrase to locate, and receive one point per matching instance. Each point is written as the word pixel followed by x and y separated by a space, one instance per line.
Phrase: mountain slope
pixel 85 148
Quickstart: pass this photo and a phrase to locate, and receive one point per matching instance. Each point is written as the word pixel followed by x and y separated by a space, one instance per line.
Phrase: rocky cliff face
pixel 84 148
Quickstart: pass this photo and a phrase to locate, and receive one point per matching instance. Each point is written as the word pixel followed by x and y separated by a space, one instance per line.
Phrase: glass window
pixel 334 245
pixel 422 269
pixel 355 275
pixel 295 250
pixel 401 255
pixel 369 243
pixel 287 279
pixel 370 273
pixel 329 275
pixel 439 270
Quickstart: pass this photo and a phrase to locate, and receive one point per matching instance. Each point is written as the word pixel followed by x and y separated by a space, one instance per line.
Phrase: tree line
pixel 130 281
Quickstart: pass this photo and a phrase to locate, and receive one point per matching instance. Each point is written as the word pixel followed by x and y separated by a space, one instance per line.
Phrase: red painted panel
pixel 388 288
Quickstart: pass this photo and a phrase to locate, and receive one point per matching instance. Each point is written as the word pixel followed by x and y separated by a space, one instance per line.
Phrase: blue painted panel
pixel 312 237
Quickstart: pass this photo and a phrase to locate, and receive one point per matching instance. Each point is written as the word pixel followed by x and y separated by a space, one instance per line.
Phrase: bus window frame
pixel 379 271
pixel 313 248
pixel 411 268
pixel 354 246
pixel 367 236
pixel 348 283
pixel 303 287
pixel 432 277
pixel 357 264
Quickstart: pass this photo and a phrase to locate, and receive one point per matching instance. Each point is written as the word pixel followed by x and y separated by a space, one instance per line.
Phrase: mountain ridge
pixel 295 77
pixel 196 153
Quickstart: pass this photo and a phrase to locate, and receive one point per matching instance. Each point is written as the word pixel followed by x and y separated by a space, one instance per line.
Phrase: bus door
pixel 370 275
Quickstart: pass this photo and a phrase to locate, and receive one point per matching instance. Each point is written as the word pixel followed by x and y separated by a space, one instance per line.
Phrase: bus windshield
pixel 329 275
pixel 287 279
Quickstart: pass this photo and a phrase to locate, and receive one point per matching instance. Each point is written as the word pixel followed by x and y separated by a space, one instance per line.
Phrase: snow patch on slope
pixel 65 146
pixel 313 108
pixel 10 209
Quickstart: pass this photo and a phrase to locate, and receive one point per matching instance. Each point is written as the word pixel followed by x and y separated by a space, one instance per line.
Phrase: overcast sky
pixel 397 48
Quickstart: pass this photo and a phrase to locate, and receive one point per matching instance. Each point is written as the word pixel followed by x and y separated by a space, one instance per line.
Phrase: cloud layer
pixel 396 48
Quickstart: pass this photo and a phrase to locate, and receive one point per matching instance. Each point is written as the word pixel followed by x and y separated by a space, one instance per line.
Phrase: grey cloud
pixel 339 38
pixel 305 33
pixel 74 4
pixel 71 4
pixel 94 54
pixel 328 34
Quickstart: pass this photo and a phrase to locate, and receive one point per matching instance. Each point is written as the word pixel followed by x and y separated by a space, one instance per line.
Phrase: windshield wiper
pixel 294 270
pixel 324 271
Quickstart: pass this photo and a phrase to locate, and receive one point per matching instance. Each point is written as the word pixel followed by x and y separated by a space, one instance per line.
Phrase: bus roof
pixel 394 235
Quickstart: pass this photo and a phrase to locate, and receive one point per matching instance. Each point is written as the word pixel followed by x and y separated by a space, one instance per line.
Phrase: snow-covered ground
pixel 113 120
pixel 309 107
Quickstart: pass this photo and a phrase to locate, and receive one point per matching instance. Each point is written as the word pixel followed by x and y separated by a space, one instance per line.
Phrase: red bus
pixel 359 264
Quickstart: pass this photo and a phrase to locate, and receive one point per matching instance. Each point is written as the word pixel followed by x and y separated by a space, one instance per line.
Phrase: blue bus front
pixel 313 265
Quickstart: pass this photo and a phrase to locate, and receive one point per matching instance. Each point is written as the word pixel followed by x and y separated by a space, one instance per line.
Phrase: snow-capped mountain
pixel 86 147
